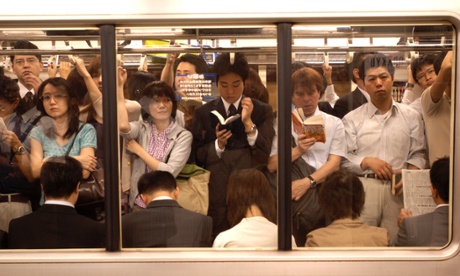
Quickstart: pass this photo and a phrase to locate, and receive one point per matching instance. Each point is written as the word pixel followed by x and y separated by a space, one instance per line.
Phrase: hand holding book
pixel 313 126
pixel 225 123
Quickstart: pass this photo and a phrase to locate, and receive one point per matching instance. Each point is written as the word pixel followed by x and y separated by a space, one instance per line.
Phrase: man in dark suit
pixel 359 96
pixel 56 224
pixel 245 143
pixel 164 223
pixel 430 229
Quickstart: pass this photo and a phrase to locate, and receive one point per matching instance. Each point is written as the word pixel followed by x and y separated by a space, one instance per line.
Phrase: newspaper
pixel 417 191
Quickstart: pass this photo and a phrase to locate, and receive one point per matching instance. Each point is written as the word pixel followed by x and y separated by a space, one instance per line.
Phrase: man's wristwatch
pixel 409 85
pixel 313 182
pixel 21 150
pixel 252 130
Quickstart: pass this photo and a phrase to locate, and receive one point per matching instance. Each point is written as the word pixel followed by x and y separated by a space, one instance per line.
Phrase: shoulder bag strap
pixel 73 140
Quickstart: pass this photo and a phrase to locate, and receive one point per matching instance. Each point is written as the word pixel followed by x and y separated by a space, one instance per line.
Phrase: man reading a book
pixel 382 138
pixel 243 143
pixel 319 156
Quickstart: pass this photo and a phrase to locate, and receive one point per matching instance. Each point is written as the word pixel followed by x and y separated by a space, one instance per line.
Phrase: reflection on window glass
pixel 199 135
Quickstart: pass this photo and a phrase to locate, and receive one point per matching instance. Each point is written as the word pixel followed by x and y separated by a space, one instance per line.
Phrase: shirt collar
pixel 227 104
pixel 372 110
pixel 59 202
pixel 23 90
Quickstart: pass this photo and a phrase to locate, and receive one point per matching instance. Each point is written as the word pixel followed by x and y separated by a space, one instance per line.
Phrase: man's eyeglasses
pixel 21 62
pixel 422 76
pixel 57 97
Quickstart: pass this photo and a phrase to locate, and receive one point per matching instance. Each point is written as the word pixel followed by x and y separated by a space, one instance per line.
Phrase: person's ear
pixel 434 192
pixel 176 193
pixel 77 190
pixel 356 73
pixel 145 199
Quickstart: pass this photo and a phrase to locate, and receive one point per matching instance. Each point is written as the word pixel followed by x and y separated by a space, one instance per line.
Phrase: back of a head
pixel 137 82
pixel 439 177
pixel 78 85
pixel 245 188
pixel 9 89
pixel 60 176
pixel 307 77
pixel 156 181
pixel 374 61
pixel 342 195
pixel 25 45
pixel 231 63
pixel 201 67
pixel 297 65
pixel 254 88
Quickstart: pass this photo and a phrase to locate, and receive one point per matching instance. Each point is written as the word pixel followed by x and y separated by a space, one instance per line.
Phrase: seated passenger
pixel 342 199
pixel 164 223
pixel 431 229
pixel 56 224
pixel 251 212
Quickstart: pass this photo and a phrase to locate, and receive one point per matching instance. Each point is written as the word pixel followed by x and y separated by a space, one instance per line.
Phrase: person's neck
pixel 28 86
pixel 161 125
pixel 383 107
pixel 61 126
pixel 254 211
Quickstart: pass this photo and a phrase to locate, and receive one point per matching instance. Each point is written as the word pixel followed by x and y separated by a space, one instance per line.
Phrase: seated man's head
pixel 157 183
pixel 342 195
pixel 423 71
pixel 247 190
pixel 60 177
pixel 439 177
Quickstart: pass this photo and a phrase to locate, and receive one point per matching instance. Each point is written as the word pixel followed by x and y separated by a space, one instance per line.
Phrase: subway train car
pixel 272 35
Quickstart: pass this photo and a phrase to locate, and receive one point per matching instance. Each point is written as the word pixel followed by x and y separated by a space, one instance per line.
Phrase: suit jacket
pixel 431 229
pixel 238 153
pixel 164 223
pixel 55 226
pixel 348 232
pixel 348 103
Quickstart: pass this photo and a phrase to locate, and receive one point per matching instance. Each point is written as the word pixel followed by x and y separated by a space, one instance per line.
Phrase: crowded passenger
pixel 164 223
pixel 357 97
pixel 157 142
pixel 436 108
pixel 16 183
pixel 255 88
pixel 342 199
pixel 383 137
pixel 251 212
pixel 56 224
pixel 430 229
pixel 315 159
pixel 245 144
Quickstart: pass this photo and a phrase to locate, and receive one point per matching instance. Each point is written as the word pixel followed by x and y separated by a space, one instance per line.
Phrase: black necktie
pixel 231 110
pixel 29 97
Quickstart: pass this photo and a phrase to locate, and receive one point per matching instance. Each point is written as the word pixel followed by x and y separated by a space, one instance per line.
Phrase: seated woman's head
pixel 158 100
pixel 342 195
pixel 245 188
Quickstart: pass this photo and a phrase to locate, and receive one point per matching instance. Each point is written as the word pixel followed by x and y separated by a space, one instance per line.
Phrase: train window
pixel 155 73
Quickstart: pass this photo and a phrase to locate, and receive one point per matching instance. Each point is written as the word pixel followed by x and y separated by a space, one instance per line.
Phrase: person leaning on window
pixel 342 199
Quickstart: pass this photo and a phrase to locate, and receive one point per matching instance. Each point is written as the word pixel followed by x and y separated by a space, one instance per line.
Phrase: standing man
pixel 435 102
pixel 359 96
pixel 56 224
pixel 27 68
pixel 164 223
pixel 382 137
pixel 244 144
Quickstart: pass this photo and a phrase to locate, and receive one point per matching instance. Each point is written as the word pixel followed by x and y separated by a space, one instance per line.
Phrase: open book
pixel 313 126
pixel 417 191
pixel 224 123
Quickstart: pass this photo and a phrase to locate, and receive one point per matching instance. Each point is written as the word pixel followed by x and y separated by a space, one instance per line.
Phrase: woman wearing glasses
pixel 59 126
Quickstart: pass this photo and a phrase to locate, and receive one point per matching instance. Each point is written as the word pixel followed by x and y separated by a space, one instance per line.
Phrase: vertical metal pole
pixel 111 141
pixel 284 136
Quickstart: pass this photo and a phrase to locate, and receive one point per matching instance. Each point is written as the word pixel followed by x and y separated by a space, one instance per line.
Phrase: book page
pixel 223 121
pixel 314 127
pixel 417 191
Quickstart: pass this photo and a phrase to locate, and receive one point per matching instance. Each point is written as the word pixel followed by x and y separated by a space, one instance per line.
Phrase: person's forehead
pixel 186 66
pixel 24 56
pixel 49 88
pixel 230 77
pixel 425 67
pixel 305 89
pixel 377 70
